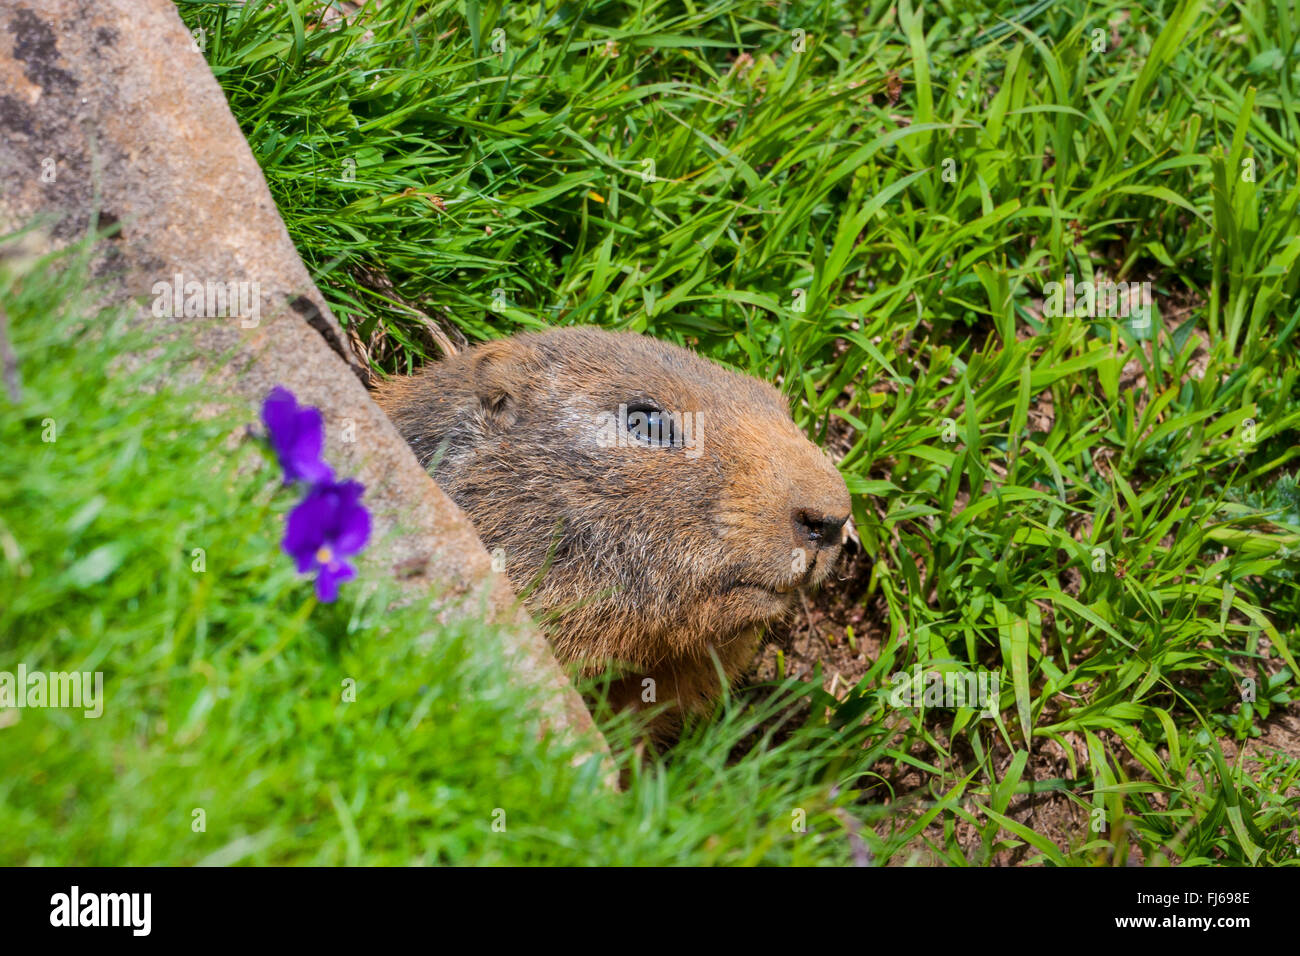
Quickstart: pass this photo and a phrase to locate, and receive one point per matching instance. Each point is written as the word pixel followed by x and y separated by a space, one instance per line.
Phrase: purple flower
pixel 328 526
pixel 297 435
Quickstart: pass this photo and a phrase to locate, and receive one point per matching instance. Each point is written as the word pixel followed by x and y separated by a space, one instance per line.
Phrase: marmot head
pixel 649 504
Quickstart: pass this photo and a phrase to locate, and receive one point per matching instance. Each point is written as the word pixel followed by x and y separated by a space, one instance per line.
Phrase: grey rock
pixel 108 112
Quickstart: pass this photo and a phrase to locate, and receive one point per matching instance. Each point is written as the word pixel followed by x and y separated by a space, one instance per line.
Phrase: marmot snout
pixel 653 506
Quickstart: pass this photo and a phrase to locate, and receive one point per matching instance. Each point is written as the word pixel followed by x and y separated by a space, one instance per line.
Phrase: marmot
pixel 652 507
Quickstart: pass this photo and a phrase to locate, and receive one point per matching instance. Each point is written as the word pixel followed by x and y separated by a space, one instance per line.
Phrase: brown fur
pixel 654 557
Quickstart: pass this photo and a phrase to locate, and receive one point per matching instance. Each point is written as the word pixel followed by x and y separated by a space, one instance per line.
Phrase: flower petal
pixel 352 520
pixel 304 531
pixel 279 410
pixel 297 436
pixel 331 575
pixel 302 448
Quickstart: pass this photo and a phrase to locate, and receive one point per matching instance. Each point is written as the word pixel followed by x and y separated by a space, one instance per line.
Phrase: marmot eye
pixel 651 425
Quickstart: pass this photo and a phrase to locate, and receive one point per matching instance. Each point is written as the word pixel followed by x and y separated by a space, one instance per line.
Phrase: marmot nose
pixel 821 530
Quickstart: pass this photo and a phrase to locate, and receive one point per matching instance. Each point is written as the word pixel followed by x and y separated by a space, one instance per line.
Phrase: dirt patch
pixel 842 628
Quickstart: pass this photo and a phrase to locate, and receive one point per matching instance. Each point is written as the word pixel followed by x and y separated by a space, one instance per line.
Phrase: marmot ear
pixel 501 371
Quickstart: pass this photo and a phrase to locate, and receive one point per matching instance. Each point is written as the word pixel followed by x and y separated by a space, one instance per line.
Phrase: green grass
pixel 224 687
pixel 870 223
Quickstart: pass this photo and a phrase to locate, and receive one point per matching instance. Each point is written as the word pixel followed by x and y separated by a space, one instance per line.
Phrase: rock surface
pixel 108 109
